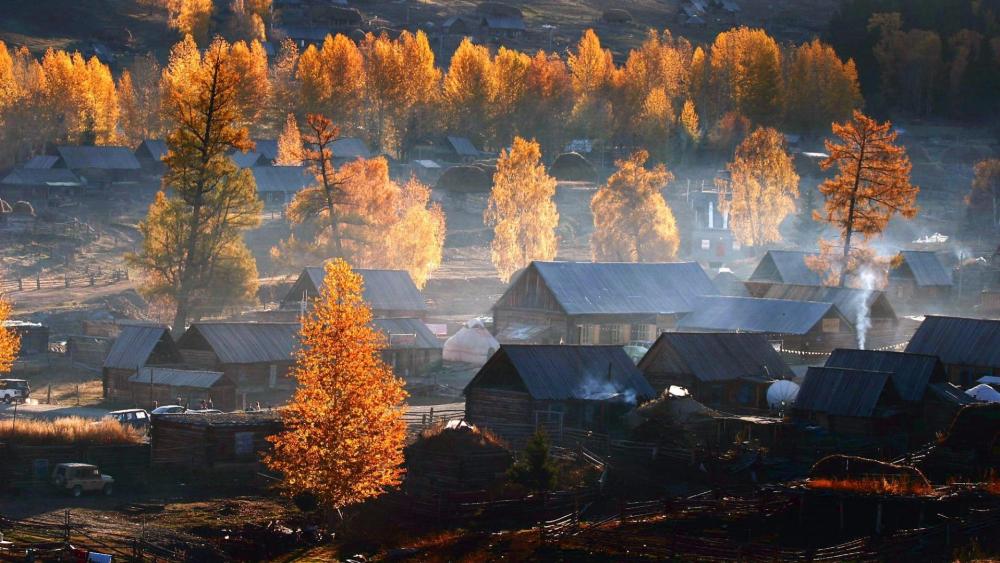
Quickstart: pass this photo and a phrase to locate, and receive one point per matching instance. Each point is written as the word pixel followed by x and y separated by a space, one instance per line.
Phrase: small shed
pixel 278 184
pixel 782 267
pixel 158 385
pixel 411 348
pixel 849 401
pixel 503 26
pixel 464 149
pixel 34 336
pixel 41 184
pixel 472 344
pixel 222 443
pixel 389 293
pixel 919 279
pixel 968 348
pixel 135 347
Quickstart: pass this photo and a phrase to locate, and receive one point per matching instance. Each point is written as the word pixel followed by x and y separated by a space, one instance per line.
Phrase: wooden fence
pixel 94 278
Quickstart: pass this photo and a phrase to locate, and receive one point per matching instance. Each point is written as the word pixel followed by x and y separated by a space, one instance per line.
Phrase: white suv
pixel 12 390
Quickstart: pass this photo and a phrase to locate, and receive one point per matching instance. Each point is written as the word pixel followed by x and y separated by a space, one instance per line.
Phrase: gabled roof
pixel 177 377
pixel 247 159
pixel 956 340
pixel 41 177
pixel 134 345
pixel 407 333
pixel 591 288
pixel 350 147
pixel 282 178
pixel 42 161
pixel 78 157
pixel 785 266
pixel 852 302
pixel 729 284
pixel 155 149
pixel 504 23
pixel 384 290
pixel 463 146
pixel 570 372
pixel 927 268
pixel 246 343
pixel 748 314
pixel 911 373
pixel 841 392
pixel 266 147
pixel 715 356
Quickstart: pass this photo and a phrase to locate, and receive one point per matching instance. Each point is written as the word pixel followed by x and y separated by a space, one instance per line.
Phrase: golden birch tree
pixel 289 144
pixel 10 343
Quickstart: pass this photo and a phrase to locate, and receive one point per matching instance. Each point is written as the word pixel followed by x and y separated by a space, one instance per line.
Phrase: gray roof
pixel 155 148
pixel 384 290
pixel 729 284
pixel 41 177
pixel 423 337
pixel 590 288
pixel 841 392
pixel 246 343
pixel 852 302
pixel 748 314
pixel 305 33
pixel 42 161
pixel 572 372
pixel 785 266
pixel 266 147
pixel 350 147
pixel 911 373
pixel 282 178
pixel 960 341
pixel 720 356
pixel 246 159
pixel 463 146
pixel 504 23
pixel 177 377
pixel 926 267
pixel 134 345
pixel 78 157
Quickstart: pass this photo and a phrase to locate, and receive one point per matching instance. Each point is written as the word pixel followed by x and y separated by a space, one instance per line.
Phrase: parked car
pixel 77 478
pixel 12 390
pixel 136 418
pixel 169 409
pixel 203 411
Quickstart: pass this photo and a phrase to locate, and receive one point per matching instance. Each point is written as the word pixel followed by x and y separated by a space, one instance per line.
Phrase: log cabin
pixel 411 347
pixel 164 386
pixel 919 280
pixel 857 305
pixel 781 267
pixel 968 348
pixel 136 346
pixel 219 442
pixel 389 293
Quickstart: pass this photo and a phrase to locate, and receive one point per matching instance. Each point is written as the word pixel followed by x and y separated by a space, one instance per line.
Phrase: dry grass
pixel 67 431
pixel 873 485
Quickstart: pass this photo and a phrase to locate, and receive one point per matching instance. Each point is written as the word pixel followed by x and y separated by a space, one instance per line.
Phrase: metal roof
pixel 729 284
pixel 42 161
pixel 956 340
pixel 590 288
pixel 350 147
pixel 715 356
pixel 246 159
pixel 571 372
pixel 852 302
pixel 926 267
pixel 177 377
pixel 841 392
pixel 281 178
pixel 785 266
pixel 463 146
pixel 384 290
pixel 423 337
pixel 134 345
pixel 41 177
pixel 247 343
pixel 776 316
pixel 266 147
pixel 155 148
pixel 79 157
pixel 511 23
pixel 911 373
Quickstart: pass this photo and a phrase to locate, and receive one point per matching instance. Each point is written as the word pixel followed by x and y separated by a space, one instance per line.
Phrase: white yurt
pixel 473 344
pixel 984 393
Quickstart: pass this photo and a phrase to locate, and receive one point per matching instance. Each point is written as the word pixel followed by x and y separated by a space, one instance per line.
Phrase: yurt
pixel 473 344
pixel 984 393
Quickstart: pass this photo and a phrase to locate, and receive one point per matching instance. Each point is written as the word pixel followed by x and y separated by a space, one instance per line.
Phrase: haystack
pixel 846 467
pixel 465 179
pixel 452 458
pixel 975 427
pixel 573 167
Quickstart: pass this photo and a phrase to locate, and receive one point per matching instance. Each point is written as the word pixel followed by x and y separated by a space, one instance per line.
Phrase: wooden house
pixel 411 347
pixel 34 337
pixel 968 348
pixel 858 305
pixel 114 172
pixel 254 356
pixel 555 387
pixel 462 149
pixel 164 386
pixel 722 370
pixel 793 326
pixel 216 443
pixel 136 347
pixel 41 185
pixel 597 303
pixel 276 185
pixel 150 155
pixel 781 267
pixel 346 149
pixel 919 279
pixel 389 293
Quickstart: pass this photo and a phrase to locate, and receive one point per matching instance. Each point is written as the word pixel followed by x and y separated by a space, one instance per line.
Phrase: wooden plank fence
pixel 95 278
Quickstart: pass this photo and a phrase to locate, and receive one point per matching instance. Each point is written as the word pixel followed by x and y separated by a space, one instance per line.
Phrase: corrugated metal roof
pixel 729 284
pixel 177 377
pixel 42 161
pixel 424 338
pixel 281 178
pixel 927 268
pixel 951 393
pixel 590 288
pixel 79 157
pixel 841 392
pixel 156 148
pixel 572 372
pixel 463 146
pixel 41 177
pixel 777 316
pixel 785 266
pixel 911 373
pixel 350 147
pixel 246 159
pixel 134 344
pixel 956 340
pixel 722 356
pixel 852 302
pixel 266 147
pixel 384 290
pixel 247 343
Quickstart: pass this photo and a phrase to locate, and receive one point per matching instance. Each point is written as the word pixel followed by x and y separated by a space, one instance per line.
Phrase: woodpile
pixel 453 458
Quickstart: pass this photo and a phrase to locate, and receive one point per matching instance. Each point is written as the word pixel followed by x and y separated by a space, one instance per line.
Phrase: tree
pixel 632 221
pixel 746 74
pixel 910 62
pixel 289 144
pixel 416 112
pixel 535 469
pixel 285 88
pixel 521 210
pixel 191 17
pixel 983 211
pixel 762 188
pixel 592 73
pixel 193 254
pixel 254 89
pixel 508 86
pixel 466 89
pixel 550 95
pixel 139 96
pixel 690 125
pixel 416 239
pixel 872 182
pixel 343 431
pixel 10 342
pixel 806 227
pixel 821 88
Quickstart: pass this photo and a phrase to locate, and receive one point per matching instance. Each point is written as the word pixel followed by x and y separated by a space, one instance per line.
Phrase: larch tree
pixel 821 88
pixel 386 93
pixel 343 430
pixel 191 17
pixel 284 86
pixel 550 94
pixel 632 221
pixel 417 109
pixel 332 80
pixel 746 72
pixel 507 89
pixel 910 62
pixel 254 89
pixel 290 146
pixel 690 126
pixel 592 73
pixel 10 343
pixel 193 254
pixel 415 241
pixel 466 89
pixel 871 186
pixel 139 96
pixel 521 210
pixel 761 189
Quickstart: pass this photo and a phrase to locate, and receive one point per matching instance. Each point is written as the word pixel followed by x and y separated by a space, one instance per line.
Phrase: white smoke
pixel 600 389
pixel 868 280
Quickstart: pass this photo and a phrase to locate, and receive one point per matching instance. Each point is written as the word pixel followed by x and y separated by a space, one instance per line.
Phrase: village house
pixel 114 170
pixel 389 293
pixel 968 348
pixel 710 241
pixel 730 371
pixel 255 356
pixel 781 267
pixel 150 155
pixel 792 326
pixel 135 347
pixel 462 149
pixel 223 443
pixel 33 337
pixel 249 159
pixel 554 387
pixel 919 280
pixel 164 386
pixel 597 302
pixel 276 185
pixel 346 149
pixel 411 347
pixel 858 305
pixel 41 185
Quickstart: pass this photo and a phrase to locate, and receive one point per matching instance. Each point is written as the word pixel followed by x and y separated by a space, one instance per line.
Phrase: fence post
pixel 38 282
pixel 66 280
pixel 20 284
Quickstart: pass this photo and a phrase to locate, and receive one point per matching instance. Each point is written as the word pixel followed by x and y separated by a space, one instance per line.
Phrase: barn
pixel 556 387
pixel 164 386
pixel 223 443
pixel 919 280
pixel 411 347
pixel 781 267
pixel 726 370
pixel 135 347
pixel 597 302
pixel 968 348
pixel 389 293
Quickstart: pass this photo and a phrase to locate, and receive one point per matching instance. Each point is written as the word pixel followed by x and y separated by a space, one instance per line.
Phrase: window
pixel 706 244
pixel 272 379
pixel 611 334
pixel 641 332
pixel 585 334
pixel 831 325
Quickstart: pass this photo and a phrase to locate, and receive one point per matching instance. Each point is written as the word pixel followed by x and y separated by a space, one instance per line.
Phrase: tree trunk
pixel 850 213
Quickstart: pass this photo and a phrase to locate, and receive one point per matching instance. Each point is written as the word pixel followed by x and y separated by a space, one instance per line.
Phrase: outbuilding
pixel 411 348
pixel 918 279
pixel 135 347
pixel 389 293
pixel 163 386
pixel 782 267
pixel 968 348
pixel 223 443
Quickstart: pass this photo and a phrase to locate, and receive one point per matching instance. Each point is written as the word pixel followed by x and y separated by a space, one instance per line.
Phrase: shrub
pixel 67 431
pixel 535 469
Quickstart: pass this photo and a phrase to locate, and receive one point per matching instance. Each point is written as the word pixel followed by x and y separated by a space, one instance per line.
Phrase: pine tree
pixel 535 469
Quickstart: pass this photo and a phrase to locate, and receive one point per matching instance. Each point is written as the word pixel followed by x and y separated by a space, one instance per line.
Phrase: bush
pixel 67 431
pixel 535 469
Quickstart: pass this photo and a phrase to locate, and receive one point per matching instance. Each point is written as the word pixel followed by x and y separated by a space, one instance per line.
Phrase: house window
pixel 585 334
pixel 831 325
pixel 641 332
pixel 611 334
pixel 706 244
pixel 737 245
pixel 272 376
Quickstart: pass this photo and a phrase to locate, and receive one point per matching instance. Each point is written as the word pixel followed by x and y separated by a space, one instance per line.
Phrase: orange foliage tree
pixel 343 431
pixel 821 88
pixel 9 340
pixel 289 144
pixel 191 17
pixel 592 72
pixel 746 74
pixel 632 221
pixel 466 90
pixel 521 210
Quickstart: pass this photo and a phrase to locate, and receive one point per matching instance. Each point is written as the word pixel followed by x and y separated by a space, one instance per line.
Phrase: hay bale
pixel 616 15
pixel 456 457
pixel 573 167
pixel 465 179
pixel 846 467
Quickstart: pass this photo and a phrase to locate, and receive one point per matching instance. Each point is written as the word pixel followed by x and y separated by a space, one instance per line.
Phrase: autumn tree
pixel 244 23
pixel 821 88
pixel 592 73
pixel 284 86
pixel 193 254
pixel 10 343
pixel 249 62
pixel 521 210
pixel 343 430
pixel 910 62
pixel 508 86
pixel 632 221
pixel 289 144
pixel 746 74
pixel 872 182
pixel 807 228
pixel 79 98
pixel 466 89
pixel 548 100
pixel 332 80
pixel 761 189
pixel 983 211
pixel 191 17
